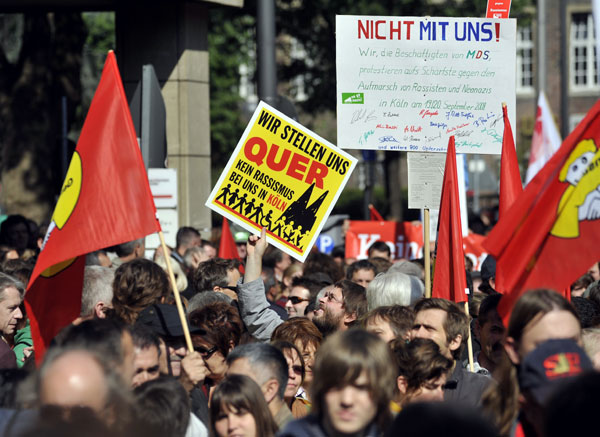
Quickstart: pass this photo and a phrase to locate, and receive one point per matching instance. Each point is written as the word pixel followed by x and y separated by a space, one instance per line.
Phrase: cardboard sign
pixel 405 239
pixel 408 83
pixel 284 177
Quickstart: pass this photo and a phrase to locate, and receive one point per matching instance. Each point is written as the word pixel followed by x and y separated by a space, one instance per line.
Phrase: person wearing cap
pixel 547 368
pixel 488 275
pixel 175 360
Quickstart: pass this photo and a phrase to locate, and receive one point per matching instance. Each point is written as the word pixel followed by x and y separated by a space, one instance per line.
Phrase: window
pixel 583 70
pixel 524 60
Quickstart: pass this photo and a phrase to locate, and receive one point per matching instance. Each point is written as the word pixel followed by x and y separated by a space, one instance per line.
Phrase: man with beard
pixel 490 331
pixel 340 307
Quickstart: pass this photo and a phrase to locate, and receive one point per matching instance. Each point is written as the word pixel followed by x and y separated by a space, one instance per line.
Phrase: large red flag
pixel 105 200
pixel 227 246
pixel 510 178
pixel 551 234
pixel 449 279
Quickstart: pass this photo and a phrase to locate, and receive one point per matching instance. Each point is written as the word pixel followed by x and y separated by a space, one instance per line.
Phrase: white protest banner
pixel 408 83
pixel 284 177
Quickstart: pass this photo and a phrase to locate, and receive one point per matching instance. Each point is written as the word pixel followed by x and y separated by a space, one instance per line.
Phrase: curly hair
pixel 222 325
pixel 138 284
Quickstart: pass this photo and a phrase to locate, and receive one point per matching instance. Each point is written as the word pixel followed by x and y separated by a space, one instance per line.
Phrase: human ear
pixel 455 343
pixel 402 385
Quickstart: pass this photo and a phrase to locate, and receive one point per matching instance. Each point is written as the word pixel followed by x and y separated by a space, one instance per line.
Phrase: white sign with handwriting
pixel 408 83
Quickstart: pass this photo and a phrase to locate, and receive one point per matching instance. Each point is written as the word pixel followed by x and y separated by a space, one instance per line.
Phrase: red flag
pixel 227 246
pixel 449 280
pixel 550 235
pixel 510 178
pixel 105 200
pixel 375 216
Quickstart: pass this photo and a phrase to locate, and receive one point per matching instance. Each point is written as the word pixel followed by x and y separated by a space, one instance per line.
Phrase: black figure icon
pixel 257 214
pixel 233 197
pixel 249 207
pixel 240 204
pixel 224 192
pixel 279 224
pixel 266 220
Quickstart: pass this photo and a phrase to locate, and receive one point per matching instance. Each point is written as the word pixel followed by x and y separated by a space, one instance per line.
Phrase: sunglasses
pixel 206 353
pixel 297 370
pixel 295 300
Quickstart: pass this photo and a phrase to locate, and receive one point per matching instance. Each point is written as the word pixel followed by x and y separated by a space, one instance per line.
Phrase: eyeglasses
pixel 295 300
pixel 232 288
pixel 297 369
pixel 206 353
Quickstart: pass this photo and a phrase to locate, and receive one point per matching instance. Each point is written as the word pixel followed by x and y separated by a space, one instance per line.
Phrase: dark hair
pixel 222 325
pixel 583 281
pixel 341 360
pixel 185 235
pixel 455 324
pixel 382 265
pixel 162 407
pixel 104 337
pixel 595 292
pixel 318 262
pixel 212 273
pixel 144 338
pixel 363 264
pixel 587 310
pixel 419 361
pixel 272 256
pixel 138 284
pixel 10 380
pixel 379 246
pixel 533 303
pixel 266 361
pixel 240 394
pixel 487 306
pixel 400 318
pixel 19 268
pixel 298 329
pixel 312 286
pixel 354 296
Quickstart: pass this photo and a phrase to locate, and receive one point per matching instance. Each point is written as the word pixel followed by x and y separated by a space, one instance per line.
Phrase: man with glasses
pixel 340 307
pixel 218 275
pixel 303 292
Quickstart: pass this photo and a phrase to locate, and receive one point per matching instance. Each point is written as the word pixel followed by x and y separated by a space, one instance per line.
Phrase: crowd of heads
pixel 271 346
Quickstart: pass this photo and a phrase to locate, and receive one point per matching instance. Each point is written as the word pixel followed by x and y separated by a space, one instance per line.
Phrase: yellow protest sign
pixel 283 177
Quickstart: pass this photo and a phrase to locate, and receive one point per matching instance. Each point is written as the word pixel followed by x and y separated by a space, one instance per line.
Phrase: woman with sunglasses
pixel 222 330
pixel 239 409
pixel 296 372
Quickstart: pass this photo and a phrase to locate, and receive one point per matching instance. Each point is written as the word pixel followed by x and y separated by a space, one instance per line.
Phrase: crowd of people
pixel 328 347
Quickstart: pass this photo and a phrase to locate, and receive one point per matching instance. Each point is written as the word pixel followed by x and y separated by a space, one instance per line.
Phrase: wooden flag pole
pixel 427 254
pixel 470 341
pixel 180 310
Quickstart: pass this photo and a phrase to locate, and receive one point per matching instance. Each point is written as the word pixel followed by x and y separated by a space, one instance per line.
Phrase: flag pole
pixel 184 324
pixel 470 341
pixel 427 254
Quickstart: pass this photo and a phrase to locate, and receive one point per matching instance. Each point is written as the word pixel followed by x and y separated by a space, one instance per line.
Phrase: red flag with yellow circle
pixel 105 200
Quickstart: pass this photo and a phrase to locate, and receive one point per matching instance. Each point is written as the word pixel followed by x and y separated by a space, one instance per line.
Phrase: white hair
pixel 393 288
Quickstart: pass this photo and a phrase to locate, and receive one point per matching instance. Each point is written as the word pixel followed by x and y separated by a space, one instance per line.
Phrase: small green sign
pixel 353 98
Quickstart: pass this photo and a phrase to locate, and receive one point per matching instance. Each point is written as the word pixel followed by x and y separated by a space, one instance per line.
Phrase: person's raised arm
pixel 255 250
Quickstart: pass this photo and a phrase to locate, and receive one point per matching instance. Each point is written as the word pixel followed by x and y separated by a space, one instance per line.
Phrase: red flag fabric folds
pixel 550 235
pixel 105 200
pixel 227 246
pixel 510 177
pixel 449 279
